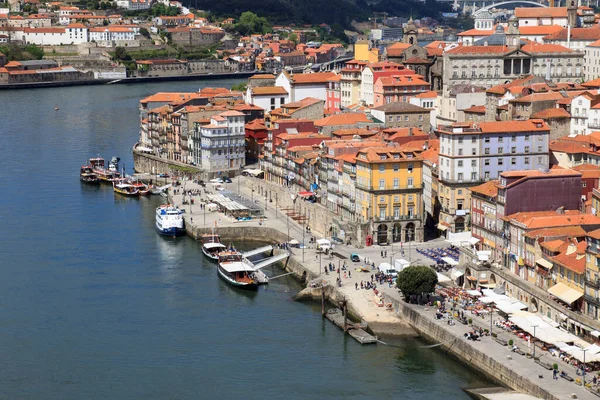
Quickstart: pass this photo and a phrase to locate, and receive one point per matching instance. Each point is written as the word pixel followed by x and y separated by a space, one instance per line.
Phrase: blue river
pixel 95 305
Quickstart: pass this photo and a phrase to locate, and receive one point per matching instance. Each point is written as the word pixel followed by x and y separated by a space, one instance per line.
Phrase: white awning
pixel 449 261
pixel 473 241
pixel 595 333
pixel 509 307
pixel 565 293
pixel 475 293
pixel 544 263
pixel 443 278
pixel 456 273
pixel 442 227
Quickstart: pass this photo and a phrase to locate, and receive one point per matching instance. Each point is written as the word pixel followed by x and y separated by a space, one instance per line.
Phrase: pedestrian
pixel 326 272
pixel 381 253
pixel 385 254
pixel 555 374
pixel 371 277
pixel 356 285
pixel 349 274
pixel 362 286
pixel 192 220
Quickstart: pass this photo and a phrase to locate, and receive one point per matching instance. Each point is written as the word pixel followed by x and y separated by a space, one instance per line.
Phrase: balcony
pixel 387 218
pixel 389 188
pixel 592 282
pixel 591 299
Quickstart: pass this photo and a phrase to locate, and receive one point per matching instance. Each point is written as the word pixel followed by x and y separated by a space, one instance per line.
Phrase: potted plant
pixel 486 331
pixel 555 366
pixel 470 321
pixel 510 342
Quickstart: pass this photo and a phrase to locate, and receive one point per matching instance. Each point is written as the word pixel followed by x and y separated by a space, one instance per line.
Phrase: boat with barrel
pixel 212 246
pixel 169 220
pixel 237 271
pixel 126 189
pixel 106 174
pixel 87 175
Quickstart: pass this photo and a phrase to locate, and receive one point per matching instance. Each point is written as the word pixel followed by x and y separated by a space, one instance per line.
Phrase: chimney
pixel 572 248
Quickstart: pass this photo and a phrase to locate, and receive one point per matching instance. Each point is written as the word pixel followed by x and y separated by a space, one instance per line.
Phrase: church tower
pixel 410 32
pixel 572 13
pixel 513 36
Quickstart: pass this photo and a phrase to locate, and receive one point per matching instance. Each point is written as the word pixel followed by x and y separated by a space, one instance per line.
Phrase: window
pixel 459 191
pixel 473 163
pixel 382 199
pixel 486 161
pixel 396 183
pixel 410 182
pixel 473 151
pixel 487 175
pixel 513 161
pixel 513 150
pixel 396 167
pixel 526 149
pixel 539 149
pixel 500 139
pixel 527 138
pixel 500 150
pixel 381 168
pixel 382 184
pixel 460 139
pixel 410 168
pixel 460 152
pixel 396 199
pixel 420 117
pixel 391 118
pixel 398 118
pixel 486 150
pixel 406 117
pixel 500 161
pixel 513 138
pixel 473 139
pixel 486 140
pixel 460 163
pixel 540 160
pixel 473 176
pixel 460 176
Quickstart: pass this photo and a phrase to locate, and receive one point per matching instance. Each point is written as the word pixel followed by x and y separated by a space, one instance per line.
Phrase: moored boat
pixel 87 175
pixel 125 189
pixel 109 174
pixel 212 246
pixel 236 270
pixel 169 220
pixel 142 187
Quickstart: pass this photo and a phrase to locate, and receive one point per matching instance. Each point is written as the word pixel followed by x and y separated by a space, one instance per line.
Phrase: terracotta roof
pixel 546 48
pixel 373 155
pixel 591 34
pixel 342 119
pixel 573 258
pixel 256 125
pixel 531 125
pixel 477 32
pixel 403 80
pixel 553 245
pixel 488 189
pixel 318 77
pixel 570 231
pixel 550 113
pixel 475 109
pixel 595 83
pixel 478 50
pixel 553 12
pixel 539 30
pixel 396 49
pixel 262 76
pixel 533 97
pixel 268 90
pixel 427 95
pixel 549 219
pixel 164 97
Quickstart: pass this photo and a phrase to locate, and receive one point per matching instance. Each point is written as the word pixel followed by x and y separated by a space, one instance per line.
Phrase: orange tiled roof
pixel 549 219
pixel 268 90
pixel 553 12
pixel 591 34
pixel 342 119
pixel 539 30
pixel 575 260
pixel 488 189
pixel 550 113
pixel 318 77
pixel 475 109
pixel 567 231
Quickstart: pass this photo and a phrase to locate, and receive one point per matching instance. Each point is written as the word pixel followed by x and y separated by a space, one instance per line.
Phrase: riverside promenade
pixel 487 356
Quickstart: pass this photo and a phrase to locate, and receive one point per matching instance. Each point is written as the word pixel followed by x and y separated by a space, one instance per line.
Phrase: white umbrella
pixel 294 241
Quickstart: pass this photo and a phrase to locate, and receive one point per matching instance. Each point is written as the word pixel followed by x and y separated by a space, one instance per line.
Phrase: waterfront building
pixel 328 125
pixel 529 16
pixel 585 113
pixel 56 36
pixel 267 97
pixel 256 134
pixel 393 88
pixel 334 94
pixel 373 71
pixel 350 82
pixel 570 151
pixel 219 147
pixel 389 190
pixel 301 86
pixel 592 276
pixel 472 153
pixel 109 35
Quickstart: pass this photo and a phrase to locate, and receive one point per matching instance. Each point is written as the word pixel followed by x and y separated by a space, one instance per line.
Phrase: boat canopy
pixel 237 267
pixel 214 245
pixel 124 185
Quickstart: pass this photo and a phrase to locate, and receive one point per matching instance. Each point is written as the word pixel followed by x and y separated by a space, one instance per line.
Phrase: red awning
pixel 306 194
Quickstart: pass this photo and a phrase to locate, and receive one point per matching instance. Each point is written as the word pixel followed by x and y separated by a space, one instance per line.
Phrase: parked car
pixel 355 258
pixel 227 180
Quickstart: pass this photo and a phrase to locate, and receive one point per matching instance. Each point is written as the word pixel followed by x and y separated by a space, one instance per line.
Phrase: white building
pixel 592 61
pixel 301 86
pixel 266 97
pixel 220 146
pixel 111 33
pixel 585 113
pixel 543 16
pixel 430 101
pixel 72 34
pixel 475 152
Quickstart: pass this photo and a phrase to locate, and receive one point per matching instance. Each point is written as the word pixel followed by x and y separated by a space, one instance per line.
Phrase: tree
pixel 251 23
pixel 293 38
pixel 416 280
pixel 144 32
pixel 239 87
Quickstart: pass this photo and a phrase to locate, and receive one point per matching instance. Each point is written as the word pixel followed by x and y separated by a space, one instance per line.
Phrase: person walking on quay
pixel 555 374
pixel 356 285
pixel 326 271
pixel 381 253
pixel 349 274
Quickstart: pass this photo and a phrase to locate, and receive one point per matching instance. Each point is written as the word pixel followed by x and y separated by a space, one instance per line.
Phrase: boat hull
pixel 173 232
pixel 207 254
pixel 91 181
pixel 242 285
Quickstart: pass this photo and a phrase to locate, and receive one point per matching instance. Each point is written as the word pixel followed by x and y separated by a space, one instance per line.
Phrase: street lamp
pixel 534 326
pixel 583 372
pixel 275 205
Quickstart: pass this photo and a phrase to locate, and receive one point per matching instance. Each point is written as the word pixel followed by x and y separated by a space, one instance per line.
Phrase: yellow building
pixel 569 269
pixel 362 52
pixel 591 297
pixel 389 194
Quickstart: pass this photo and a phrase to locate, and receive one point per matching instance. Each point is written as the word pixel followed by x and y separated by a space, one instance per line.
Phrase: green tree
pixel 294 38
pixel 121 54
pixel 416 280
pixel 144 32
pixel 251 23
pixel 240 87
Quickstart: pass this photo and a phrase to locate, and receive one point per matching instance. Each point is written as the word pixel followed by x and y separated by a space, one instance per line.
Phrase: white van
pixel 400 264
pixel 323 245
pixel 388 270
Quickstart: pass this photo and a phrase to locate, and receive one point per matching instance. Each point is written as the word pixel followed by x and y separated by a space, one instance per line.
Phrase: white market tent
pixel 502 302
pixel 475 293
pixel 443 278
pixel 449 261
pixel 543 330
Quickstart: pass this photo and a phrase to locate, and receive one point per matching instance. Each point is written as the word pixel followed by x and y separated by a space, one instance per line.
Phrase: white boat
pixel 236 270
pixel 169 220
pixel 212 246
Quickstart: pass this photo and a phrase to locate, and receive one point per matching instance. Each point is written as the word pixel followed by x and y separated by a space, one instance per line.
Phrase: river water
pixel 95 305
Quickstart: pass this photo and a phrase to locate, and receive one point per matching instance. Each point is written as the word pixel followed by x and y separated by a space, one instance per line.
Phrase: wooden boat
pixel 236 270
pixel 87 175
pixel 109 174
pixel 212 246
pixel 142 187
pixel 125 189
